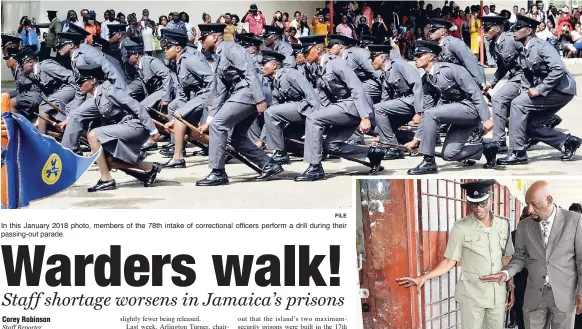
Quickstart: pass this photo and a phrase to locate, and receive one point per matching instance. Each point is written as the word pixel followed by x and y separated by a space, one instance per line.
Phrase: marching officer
pixel 461 104
pixel 155 78
pixel 235 97
pixel 273 39
pixel 293 99
pixel 26 97
pixel 483 242
pixel 454 50
pixel 366 40
pixel 55 81
pixel 194 77
pixel 118 38
pixel 405 99
pixel 346 107
pixel 103 46
pixel 506 51
pixel 253 45
pixel 550 88
pixel 359 61
pixel 302 66
pixel 126 126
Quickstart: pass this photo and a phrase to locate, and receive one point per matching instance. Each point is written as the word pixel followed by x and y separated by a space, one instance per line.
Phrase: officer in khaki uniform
pixel 482 241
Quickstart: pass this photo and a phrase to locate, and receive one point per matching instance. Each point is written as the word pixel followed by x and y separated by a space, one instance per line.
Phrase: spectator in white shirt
pixel 109 20
pixel 543 33
pixel 513 17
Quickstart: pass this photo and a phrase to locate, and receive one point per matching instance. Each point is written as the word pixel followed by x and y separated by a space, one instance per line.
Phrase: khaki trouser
pixel 475 317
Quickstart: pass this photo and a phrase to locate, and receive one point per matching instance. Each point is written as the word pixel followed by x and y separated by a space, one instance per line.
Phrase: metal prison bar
pixel 429 209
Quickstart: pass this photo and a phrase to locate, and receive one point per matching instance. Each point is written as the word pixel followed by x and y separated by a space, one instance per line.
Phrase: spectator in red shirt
pixel 256 20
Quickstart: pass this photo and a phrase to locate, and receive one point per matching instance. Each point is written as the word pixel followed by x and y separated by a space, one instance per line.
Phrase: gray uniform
pixel 156 79
pixel 194 79
pixel 545 71
pixel 307 71
pixel 345 105
pixel 126 123
pixel 57 83
pixel 359 61
pixel 403 82
pixel 133 83
pixel 87 54
pixel 27 93
pixel 294 99
pixel 285 48
pixel 256 131
pixel 235 92
pixel 506 52
pixel 460 104
pixel 455 51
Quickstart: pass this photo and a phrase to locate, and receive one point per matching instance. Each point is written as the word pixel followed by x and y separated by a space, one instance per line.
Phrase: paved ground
pixel 176 187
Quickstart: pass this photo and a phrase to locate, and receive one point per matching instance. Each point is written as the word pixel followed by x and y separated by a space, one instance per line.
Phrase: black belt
pixel 399 95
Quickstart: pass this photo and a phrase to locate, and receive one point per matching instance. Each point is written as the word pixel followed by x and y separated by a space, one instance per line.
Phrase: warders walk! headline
pixel 138 270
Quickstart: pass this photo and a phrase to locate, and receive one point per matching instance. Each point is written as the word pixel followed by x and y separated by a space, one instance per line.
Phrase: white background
pixel 201 244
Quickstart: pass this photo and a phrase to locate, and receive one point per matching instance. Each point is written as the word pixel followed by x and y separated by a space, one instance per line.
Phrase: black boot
pixel 554 121
pixel 150 176
pixel 570 146
pixel 215 178
pixel 149 147
pixel 394 154
pixel 167 146
pixel 427 166
pixel 502 147
pixel 376 155
pixel 270 170
pixel 175 164
pixel 103 186
pixel 281 157
pixel 514 158
pixel 490 151
pixel 313 173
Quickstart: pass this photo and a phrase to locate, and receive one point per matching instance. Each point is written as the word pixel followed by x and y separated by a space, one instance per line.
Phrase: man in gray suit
pixel 549 245
pixel 549 88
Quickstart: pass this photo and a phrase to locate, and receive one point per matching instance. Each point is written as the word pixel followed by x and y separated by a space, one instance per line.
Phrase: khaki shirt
pixel 482 254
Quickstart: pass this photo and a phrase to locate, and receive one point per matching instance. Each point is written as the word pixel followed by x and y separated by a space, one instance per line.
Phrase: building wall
pixel 12 11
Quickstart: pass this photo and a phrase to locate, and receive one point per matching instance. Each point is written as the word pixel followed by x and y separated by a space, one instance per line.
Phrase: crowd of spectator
pixel 400 22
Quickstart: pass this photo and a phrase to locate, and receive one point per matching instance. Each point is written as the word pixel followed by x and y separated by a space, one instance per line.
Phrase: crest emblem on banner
pixel 51 172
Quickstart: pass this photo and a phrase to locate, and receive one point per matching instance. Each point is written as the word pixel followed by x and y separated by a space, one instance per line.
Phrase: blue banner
pixel 37 166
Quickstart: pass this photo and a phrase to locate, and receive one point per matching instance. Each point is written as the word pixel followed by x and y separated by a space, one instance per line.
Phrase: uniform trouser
pixel 501 101
pixel 463 120
pixel 547 314
pixel 476 317
pixel 389 116
pixel 339 126
pixel 237 117
pixel 277 118
pixel 528 116
pixel 79 120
